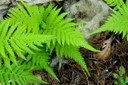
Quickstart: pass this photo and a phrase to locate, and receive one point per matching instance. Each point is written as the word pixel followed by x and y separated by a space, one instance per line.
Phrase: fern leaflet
pixel 39 60
pixel 115 3
pixel 73 53
pixel 19 75
pixel 15 41
pixel 116 23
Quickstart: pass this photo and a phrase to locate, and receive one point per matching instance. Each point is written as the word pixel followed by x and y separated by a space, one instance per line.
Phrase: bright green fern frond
pixel 29 16
pixel 116 23
pixel 51 22
pixel 20 75
pixel 73 53
pixel 63 29
pixel 47 11
pixel 40 60
pixel 24 31
pixel 16 41
pixel 115 3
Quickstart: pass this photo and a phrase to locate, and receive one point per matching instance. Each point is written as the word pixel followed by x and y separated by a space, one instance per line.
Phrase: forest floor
pixel 101 70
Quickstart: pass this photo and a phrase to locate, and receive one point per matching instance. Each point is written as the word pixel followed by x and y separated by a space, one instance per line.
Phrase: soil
pixel 101 70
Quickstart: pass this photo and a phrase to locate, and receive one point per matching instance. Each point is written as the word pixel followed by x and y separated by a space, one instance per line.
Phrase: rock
pixel 5 5
pixel 31 2
pixel 57 62
pixel 92 12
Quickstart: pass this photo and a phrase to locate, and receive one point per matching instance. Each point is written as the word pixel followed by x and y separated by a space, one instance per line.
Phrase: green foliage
pixel 73 53
pixel 29 34
pixel 39 60
pixel 29 16
pixel 120 77
pixel 116 23
pixel 16 41
pixel 20 75
pixel 115 3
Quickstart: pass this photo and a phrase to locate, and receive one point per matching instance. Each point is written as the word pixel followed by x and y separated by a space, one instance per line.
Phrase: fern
pixel 51 23
pixel 63 29
pixel 23 34
pixel 66 35
pixel 116 23
pixel 73 53
pixel 39 60
pixel 20 75
pixel 16 41
pixel 115 3
pixel 29 16
pixel 54 24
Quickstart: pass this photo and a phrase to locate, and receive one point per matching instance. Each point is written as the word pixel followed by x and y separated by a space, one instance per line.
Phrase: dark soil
pixel 101 70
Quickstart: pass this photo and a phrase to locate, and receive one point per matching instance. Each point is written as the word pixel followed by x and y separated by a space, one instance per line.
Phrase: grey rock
pixel 4 2
pixel 5 5
pixel 92 12
pixel 57 62
pixel 31 2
